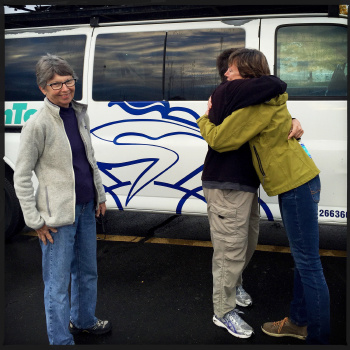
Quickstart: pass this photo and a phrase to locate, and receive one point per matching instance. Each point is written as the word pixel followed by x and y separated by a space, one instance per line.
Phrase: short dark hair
pixel 251 63
pixel 222 62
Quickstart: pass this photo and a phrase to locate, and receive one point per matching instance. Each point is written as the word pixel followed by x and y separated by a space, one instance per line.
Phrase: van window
pixel 153 66
pixel 22 54
pixel 128 67
pixel 190 66
pixel 312 60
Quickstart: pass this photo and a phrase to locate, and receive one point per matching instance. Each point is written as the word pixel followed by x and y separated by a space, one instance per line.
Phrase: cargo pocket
pixel 226 239
pixel 223 220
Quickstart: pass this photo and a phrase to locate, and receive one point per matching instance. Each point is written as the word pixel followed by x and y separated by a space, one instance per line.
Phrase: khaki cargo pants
pixel 234 229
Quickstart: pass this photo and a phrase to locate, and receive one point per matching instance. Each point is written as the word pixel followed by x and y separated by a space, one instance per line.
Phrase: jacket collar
pixel 78 107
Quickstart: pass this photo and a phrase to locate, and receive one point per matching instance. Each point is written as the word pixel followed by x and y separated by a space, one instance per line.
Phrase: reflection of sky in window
pixel 22 54
pixel 191 60
pixel 113 48
pixel 127 62
pixel 321 46
pixel 308 56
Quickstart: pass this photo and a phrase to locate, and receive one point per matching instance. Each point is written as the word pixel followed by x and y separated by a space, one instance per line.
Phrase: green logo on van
pixel 18 114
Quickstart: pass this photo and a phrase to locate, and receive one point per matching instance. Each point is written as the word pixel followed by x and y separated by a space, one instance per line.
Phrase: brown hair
pixel 250 63
pixel 222 62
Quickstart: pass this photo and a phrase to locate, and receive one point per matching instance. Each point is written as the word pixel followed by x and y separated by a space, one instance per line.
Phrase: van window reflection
pixel 22 54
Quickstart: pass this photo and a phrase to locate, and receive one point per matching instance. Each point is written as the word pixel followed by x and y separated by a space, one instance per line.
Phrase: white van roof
pixel 55 15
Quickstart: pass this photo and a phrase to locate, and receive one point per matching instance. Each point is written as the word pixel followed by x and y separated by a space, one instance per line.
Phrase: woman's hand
pixel 101 210
pixel 209 106
pixel 296 131
pixel 44 233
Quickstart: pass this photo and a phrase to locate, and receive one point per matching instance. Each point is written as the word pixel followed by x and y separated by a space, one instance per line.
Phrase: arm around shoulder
pixel 236 129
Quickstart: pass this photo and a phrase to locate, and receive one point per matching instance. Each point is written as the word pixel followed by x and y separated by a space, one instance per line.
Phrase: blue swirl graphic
pixel 157 164
pixel 121 139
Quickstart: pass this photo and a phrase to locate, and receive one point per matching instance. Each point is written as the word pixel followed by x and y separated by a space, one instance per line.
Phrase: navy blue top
pixel 84 185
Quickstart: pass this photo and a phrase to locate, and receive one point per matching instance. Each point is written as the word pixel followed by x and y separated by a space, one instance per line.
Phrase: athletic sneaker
pixel 242 297
pixel 100 327
pixel 234 324
pixel 284 328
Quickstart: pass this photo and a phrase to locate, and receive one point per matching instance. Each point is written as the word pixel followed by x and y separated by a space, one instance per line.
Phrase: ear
pixel 42 90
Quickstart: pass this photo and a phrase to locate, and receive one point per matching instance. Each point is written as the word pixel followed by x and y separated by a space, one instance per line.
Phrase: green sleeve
pixel 236 129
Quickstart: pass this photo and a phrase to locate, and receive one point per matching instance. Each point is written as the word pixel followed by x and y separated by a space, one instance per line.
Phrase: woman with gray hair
pixel 56 145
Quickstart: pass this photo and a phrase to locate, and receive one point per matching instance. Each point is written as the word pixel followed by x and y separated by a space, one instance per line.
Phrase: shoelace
pixel 240 289
pixel 280 324
pixel 238 311
pixel 98 324
pixel 240 321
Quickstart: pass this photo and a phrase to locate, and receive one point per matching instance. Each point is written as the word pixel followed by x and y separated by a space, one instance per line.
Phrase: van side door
pixel 310 55
pixel 150 83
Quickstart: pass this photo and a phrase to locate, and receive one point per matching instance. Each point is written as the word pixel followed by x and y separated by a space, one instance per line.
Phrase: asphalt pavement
pixel 158 291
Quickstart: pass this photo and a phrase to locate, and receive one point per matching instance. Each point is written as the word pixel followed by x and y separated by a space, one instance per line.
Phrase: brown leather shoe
pixel 284 328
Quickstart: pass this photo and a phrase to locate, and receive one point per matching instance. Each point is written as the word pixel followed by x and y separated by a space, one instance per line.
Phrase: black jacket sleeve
pixel 247 92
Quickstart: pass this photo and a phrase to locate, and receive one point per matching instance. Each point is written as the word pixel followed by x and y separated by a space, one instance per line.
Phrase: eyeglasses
pixel 58 86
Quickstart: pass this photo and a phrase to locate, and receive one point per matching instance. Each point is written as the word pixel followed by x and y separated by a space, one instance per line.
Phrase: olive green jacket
pixel 281 164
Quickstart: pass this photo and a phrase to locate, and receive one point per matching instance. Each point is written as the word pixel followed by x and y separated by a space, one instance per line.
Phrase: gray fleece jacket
pixel 45 149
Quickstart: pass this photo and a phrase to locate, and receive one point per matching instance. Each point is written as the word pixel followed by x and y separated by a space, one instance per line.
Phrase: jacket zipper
pixel 71 157
pixel 260 164
pixel 91 165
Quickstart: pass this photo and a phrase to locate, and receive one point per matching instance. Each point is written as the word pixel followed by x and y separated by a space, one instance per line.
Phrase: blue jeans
pixel 310 304
pixel 71 258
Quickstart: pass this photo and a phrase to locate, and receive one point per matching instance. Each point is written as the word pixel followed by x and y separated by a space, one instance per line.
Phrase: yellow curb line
pixel 175 241
pixel 117 238
pixel 195 243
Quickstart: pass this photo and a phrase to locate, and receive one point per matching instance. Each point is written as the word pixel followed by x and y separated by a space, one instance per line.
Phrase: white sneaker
pixel 242 297
pixel 234 324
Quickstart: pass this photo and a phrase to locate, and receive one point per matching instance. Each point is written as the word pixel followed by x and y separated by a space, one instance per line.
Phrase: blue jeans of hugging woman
pixel 72 257
pixel 310 304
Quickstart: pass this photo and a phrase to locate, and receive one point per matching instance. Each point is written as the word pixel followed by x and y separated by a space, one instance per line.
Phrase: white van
pixel 147 82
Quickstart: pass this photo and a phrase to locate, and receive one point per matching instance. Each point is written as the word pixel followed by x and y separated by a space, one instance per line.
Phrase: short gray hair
pixel 48 66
